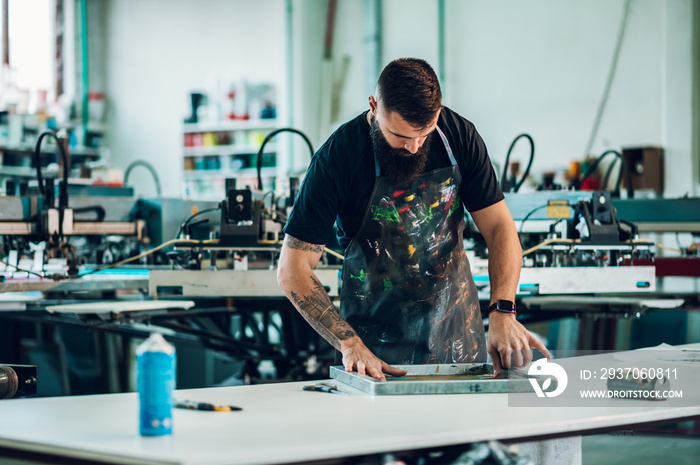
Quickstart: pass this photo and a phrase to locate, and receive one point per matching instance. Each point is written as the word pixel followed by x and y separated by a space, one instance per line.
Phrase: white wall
pixel 511 67
pixel 410 29
pixel 696 97
pixel 309 29
pixel 541 67
pixel 160 50
pixel 677 92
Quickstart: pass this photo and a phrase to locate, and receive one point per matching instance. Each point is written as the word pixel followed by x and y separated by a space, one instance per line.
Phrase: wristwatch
pixel 503 306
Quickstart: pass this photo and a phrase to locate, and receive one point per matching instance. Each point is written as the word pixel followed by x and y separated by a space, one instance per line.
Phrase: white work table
pixel 280 423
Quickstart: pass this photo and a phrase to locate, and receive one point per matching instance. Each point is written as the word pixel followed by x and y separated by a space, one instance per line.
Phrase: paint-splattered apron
pixel 407 286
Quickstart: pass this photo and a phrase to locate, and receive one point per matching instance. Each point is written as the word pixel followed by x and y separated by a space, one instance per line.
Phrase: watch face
pixel 505 305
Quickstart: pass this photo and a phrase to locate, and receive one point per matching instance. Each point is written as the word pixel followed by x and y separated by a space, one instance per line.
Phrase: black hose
pixel 267 139
pixel 37 160
pixel 591 169
pixel 185 223
pixel 150 168
pixel 608 173
pixel 618 183
pixel 63 188
pixel 504 176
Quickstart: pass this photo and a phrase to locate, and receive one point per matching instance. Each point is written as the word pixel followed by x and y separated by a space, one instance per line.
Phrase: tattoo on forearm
pixel 294 243
pixel 319 311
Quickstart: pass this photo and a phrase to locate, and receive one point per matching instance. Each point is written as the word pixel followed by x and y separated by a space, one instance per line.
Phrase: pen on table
pixel 324 387
pixel 193 405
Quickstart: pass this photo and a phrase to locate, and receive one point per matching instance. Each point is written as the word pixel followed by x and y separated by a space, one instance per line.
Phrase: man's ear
pixel 373 105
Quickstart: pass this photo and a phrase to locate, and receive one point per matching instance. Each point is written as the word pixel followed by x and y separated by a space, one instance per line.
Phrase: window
pixel 28 79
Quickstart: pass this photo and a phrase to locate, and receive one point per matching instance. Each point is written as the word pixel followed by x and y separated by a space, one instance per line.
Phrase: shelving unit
pixel 17 161
pixel 215 151
pixel 25 172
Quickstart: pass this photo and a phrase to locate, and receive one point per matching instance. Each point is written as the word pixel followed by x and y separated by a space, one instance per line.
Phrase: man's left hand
pixel 509 343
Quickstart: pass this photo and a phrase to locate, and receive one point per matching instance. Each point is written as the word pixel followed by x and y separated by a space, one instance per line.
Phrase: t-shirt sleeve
pixel 316 206
pixel 480 187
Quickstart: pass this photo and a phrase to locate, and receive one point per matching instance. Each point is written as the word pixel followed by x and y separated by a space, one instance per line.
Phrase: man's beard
pixel 400 164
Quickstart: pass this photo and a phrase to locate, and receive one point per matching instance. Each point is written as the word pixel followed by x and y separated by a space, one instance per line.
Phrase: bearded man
pixel 396 180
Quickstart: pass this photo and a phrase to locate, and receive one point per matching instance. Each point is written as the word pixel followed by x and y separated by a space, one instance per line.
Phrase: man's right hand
pixel 357 357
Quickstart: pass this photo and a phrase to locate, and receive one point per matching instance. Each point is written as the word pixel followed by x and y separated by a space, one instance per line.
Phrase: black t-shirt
pixel 339 182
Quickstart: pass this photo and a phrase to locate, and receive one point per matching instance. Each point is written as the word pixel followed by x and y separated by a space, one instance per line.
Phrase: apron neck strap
pixel 453 161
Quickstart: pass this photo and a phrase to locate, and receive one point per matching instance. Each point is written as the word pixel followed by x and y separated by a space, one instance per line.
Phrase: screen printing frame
pixel 506 381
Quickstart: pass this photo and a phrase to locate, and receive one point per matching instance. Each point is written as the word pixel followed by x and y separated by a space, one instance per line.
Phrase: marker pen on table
pixel 193 405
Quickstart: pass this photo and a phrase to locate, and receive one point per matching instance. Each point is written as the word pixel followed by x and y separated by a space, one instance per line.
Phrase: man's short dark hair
pixel 410 87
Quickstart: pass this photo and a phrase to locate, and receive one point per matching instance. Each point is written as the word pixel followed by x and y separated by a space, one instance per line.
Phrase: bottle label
pixel 156 382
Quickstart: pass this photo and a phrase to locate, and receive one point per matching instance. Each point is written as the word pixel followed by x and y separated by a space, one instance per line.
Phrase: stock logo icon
pixel 543 368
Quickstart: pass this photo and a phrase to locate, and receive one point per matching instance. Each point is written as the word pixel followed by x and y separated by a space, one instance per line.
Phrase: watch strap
pixel 503 306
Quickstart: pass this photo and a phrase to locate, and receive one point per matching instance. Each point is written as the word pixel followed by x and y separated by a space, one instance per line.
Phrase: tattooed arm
pixel 296 278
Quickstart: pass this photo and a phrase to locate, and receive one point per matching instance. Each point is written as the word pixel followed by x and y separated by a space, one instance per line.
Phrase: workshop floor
pixel 604 449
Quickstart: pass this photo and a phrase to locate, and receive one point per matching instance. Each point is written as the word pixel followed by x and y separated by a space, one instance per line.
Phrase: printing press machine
pixel 599 260
pixel 110 267
pixel 208 271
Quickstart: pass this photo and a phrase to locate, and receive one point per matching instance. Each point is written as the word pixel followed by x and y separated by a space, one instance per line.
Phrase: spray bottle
pixel 155 361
